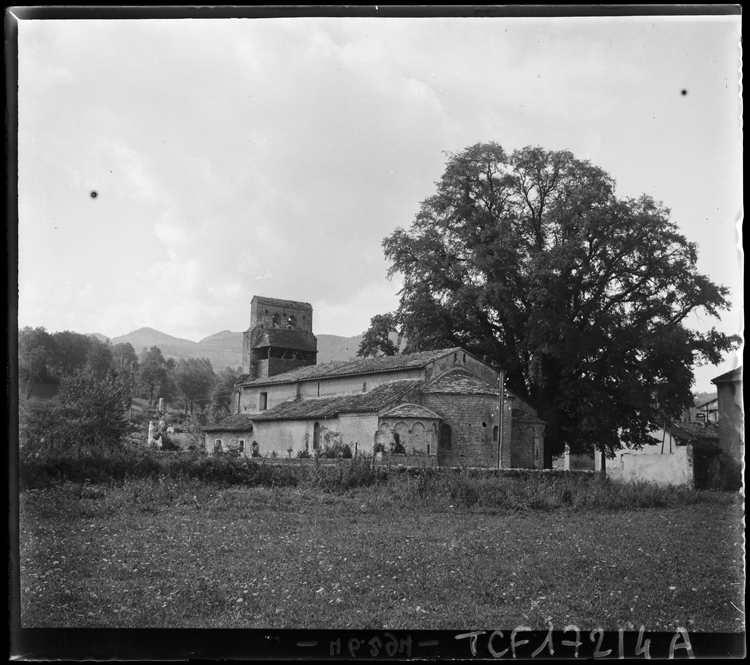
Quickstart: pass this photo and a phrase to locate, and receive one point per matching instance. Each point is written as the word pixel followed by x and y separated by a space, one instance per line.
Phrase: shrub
pixel 346 475
pixel 304 453
pixel 337 450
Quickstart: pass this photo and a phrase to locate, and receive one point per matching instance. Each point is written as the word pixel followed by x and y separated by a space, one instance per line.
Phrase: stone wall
pixel 230 441
pixel 421 461
pixel 415 434
pixel 273 366
pixel 359 428
pixel 360 383
pixel 472 419
pixel 263 310
pixel 527 441
pixel 666 469
pixel 731 433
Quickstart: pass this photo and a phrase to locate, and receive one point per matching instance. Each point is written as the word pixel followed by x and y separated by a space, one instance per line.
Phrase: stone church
pixel 444 404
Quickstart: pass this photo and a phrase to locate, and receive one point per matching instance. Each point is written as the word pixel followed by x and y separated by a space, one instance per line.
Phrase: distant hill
pixel 224 349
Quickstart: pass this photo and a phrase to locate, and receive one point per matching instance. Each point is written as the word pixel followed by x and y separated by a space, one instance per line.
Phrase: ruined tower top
pixel 284 314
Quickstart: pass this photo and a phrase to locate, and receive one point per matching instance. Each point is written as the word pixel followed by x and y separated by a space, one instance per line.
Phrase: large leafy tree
pixel 531 262
pixel 379 337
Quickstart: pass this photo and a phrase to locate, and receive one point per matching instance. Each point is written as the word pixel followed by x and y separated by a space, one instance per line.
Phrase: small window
pixel 316 436
pixel 464 358
pixel 217 446
pixel 364 386
pixel 455 357
pixel 242 446
pixel 275 320
pixel 318 388
pixel 263 402
pixel 495 432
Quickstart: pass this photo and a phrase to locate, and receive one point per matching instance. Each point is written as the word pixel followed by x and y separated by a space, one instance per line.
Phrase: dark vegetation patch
pixel 512 490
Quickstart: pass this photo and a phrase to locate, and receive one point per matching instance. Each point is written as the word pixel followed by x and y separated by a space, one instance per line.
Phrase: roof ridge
pixel 366 366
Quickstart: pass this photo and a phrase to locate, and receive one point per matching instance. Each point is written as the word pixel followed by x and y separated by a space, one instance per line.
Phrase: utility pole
pixel 501 399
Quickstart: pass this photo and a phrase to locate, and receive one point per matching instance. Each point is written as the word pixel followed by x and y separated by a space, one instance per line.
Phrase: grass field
pixel 185 553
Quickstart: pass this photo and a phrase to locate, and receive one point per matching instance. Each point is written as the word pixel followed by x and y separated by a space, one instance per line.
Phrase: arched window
pixel 292 322
pixel 275 320
pixel 316 436
pixel 445 437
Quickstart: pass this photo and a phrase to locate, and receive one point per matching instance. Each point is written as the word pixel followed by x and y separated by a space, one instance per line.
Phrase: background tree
pixel 125 357
pixel 36 356
pixel 155 377
pixel 71 352
pixel 88 417
pixel 531 262
pixel 195 379
pixel 99 361
pixel 379 338
pixel 223 395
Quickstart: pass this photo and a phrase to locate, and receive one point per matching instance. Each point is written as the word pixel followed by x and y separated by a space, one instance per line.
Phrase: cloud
pixel 225 150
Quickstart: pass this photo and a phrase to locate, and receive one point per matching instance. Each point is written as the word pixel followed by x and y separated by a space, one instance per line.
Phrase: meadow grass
pixel 348 546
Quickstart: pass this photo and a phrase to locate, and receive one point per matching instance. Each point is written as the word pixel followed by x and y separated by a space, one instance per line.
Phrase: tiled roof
pixel 733 375
pixel 702 430
pixel 240 422
pixel 460 382
pixel 519 415
pixel 409 411
pixel 276 302
pixel 348 367
pixel 330 407
pixel 286 339
pixel 707 402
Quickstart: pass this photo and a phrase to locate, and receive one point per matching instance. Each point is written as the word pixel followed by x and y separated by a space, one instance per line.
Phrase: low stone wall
pixel 421 461
pixel 297 461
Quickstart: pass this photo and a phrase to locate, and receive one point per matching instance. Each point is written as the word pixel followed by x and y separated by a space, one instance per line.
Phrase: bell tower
pixel 279 339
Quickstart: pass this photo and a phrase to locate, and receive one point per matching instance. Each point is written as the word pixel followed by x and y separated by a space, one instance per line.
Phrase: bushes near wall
pixel 440 489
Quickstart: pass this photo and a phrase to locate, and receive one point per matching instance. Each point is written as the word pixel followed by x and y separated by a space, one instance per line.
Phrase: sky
pixel 169 170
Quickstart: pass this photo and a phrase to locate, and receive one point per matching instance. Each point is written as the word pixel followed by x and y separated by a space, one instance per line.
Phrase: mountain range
pixel 224 349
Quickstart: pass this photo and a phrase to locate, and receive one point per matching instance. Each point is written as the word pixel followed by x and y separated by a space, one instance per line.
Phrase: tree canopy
pixel 378 339
pixel 195 380
pixel 530 261
pixel 156 375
